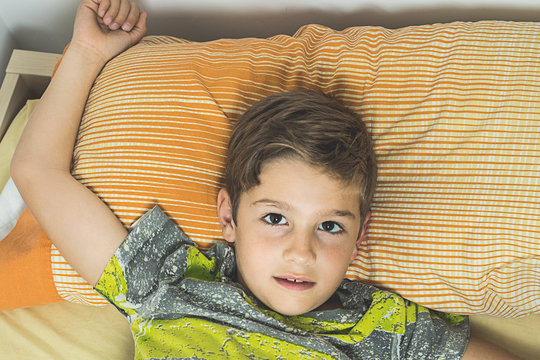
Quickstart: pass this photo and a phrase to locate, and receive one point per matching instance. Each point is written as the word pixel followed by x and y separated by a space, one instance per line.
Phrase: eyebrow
pixel 275 203
pixel 343 213
pixel 282 205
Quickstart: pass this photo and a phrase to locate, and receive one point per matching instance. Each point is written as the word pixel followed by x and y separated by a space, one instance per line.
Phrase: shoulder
pixel 154 248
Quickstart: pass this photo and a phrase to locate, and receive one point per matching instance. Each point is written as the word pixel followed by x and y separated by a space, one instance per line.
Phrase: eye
pixel 331 227
pixel 275 219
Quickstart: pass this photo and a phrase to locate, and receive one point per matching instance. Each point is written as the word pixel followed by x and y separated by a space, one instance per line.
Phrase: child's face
pixel 295 235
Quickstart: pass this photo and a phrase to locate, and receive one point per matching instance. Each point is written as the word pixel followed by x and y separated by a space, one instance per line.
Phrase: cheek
pixel 336 261
pixel 253 254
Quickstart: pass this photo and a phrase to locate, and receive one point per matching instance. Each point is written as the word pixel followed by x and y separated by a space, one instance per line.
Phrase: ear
pixel 362 236
pixel 224 210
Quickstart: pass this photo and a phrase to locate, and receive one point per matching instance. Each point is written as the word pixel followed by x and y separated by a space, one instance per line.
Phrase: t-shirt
pixel 183 303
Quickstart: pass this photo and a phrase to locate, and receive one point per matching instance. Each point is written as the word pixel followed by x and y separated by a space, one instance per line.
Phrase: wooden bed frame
pixel 28 74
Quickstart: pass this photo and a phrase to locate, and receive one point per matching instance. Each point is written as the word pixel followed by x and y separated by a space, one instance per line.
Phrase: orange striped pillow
pixel 454 111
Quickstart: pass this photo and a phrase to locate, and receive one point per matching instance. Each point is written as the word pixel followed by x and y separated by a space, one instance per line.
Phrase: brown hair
pixel 307 124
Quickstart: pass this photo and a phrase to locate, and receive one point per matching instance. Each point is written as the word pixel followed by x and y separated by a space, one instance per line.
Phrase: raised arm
pixel 80 225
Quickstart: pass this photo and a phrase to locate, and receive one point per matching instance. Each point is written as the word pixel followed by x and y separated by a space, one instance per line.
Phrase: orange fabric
pixel 25 257
pixel 453 110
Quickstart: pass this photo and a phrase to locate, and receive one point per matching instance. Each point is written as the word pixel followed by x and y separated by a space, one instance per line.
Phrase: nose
pixel 300 248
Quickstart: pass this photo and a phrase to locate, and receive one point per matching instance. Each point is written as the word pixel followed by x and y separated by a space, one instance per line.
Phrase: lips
pixel 294 283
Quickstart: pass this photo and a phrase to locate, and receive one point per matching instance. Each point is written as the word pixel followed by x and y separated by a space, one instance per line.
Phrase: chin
pixel 293 313
pixel 293 309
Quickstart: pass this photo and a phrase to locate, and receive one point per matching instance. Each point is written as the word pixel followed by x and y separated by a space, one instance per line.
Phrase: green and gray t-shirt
pixel 182 303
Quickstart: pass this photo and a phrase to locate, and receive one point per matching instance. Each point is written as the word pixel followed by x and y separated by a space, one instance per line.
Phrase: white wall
pixel 45 25
pixel 6 44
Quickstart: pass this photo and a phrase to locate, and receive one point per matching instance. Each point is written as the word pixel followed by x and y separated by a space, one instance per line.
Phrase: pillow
pixel 11 203
pixel 452 109
pixel 11 207
pixel 26 277
pixel 25 251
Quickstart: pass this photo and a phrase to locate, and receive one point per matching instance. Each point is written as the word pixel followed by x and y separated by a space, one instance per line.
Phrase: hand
pixel 105 28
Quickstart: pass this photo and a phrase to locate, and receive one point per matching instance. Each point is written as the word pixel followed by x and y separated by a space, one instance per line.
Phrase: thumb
pixel 139 30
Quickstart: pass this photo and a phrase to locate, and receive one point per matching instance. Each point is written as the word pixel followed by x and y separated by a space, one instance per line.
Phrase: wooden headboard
pixel 27 75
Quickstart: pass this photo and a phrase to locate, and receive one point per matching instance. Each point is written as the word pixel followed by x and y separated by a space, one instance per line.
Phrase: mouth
pixel 294 283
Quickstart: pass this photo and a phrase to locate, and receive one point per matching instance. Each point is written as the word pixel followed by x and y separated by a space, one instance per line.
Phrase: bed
pixel 66 329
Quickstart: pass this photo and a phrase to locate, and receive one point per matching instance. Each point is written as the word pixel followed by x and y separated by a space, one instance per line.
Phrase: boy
pixel 299 180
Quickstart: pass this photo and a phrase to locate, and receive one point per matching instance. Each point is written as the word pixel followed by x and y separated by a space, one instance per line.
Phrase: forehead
pixel 295 183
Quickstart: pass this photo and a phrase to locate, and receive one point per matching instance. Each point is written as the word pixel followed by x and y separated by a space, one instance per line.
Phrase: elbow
pixel 34 175
pixel 17 170
pixel 23 172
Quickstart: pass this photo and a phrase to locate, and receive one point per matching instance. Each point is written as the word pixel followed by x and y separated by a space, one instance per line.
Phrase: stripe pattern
pixel 454 110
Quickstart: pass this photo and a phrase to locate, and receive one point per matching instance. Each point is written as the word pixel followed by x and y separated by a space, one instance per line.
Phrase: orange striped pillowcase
pixel 454 111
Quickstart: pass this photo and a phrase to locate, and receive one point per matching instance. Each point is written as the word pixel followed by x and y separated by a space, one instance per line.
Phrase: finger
pixel 112 11
pixel 139 30
pixel 122 15
pixel 120 18
pixel 132 18
pixel 103 7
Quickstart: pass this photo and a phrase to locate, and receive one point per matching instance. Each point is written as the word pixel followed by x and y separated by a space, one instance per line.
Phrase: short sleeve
pixel 155 251
pixel 404 330
pixel 434 335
